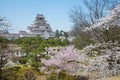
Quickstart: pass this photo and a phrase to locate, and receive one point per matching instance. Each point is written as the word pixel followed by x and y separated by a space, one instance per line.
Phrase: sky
pixel 22 13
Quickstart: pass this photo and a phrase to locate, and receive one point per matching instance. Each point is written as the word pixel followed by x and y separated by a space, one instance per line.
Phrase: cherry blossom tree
pixel 109 60
pixel 65 59
pixel 112 19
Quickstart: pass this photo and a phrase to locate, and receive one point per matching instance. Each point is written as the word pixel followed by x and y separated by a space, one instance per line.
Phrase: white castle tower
pixel 40 27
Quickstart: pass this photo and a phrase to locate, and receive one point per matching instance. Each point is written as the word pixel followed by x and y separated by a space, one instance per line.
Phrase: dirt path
pixel 111 78
pixel 41 77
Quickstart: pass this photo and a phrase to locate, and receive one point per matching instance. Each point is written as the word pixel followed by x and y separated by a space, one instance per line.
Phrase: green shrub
pixel 62 76
pixel 80 43
pixel 81 77
pixel 9 74
pixel 23 60
pixel 69 77
pixel 52 77
pixel 28 75
pixel 36 65
pixel 15 68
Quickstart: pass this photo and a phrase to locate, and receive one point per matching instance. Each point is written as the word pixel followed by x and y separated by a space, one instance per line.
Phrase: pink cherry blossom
pixel 63 58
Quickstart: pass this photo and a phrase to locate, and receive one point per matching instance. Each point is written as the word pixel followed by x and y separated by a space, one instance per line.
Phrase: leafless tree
pixel 4 25
pixel 96 9
pixel 79 20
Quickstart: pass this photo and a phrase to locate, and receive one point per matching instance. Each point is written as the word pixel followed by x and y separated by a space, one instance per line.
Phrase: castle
pixel 39 27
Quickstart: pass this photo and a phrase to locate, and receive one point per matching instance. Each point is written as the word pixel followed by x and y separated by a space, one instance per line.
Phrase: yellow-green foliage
pixel 95 51
pixel 69 77
pixel 80 42
pixel 23 68
pixel 62 76
pixel 19 73
pixel 28 75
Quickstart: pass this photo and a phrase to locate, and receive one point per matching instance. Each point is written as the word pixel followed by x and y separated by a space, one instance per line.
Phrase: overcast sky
pixel 22 13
